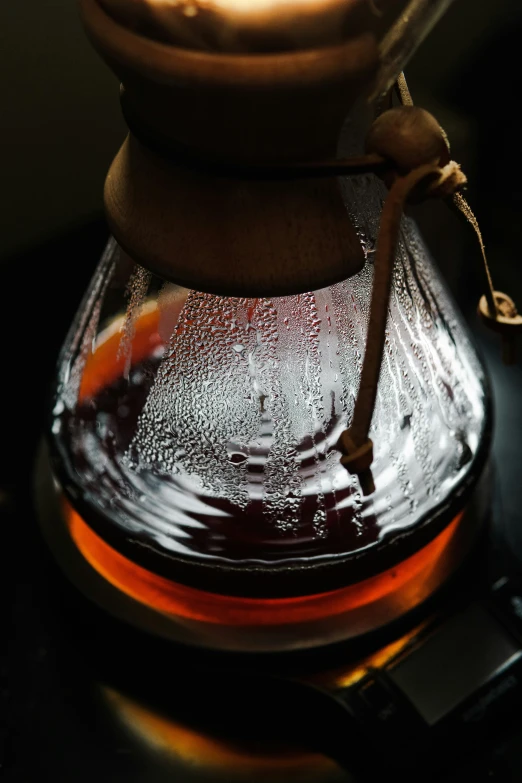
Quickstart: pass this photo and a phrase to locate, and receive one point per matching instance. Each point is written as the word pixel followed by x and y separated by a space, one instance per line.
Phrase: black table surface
pixel 64 719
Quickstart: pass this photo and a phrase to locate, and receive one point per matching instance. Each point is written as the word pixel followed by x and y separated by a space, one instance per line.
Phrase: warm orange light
pixel 105 365
pixel 205 752
pixel 226 22
pixel 348 676
pixel 178 600
pixel 254 7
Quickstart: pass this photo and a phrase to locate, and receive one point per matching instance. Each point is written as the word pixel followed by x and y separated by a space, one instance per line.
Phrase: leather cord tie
pixel 420 167
pixel 417 154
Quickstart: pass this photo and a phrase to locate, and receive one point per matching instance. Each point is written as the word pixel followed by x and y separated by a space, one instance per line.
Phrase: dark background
pixel 59 129
pixel 60 122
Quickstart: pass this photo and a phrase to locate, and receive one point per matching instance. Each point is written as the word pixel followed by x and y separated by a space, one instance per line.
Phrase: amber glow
pixel 105 365
pixel 178 600
pixel 270 9
pixel 201 750
pixel 345 678
pixel 254 6
pixel 262 13
pixel 240 25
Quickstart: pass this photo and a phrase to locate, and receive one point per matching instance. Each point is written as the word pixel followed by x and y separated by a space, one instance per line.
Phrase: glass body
pixel 195 435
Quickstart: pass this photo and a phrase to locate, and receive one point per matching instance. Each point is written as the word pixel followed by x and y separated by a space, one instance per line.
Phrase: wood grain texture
pixel 229 237
pixel 233 237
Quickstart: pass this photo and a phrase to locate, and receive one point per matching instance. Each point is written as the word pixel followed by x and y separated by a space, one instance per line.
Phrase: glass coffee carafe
pixel 194 435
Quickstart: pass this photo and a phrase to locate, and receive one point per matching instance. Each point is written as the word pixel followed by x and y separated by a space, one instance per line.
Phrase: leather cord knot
pixel 357 459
